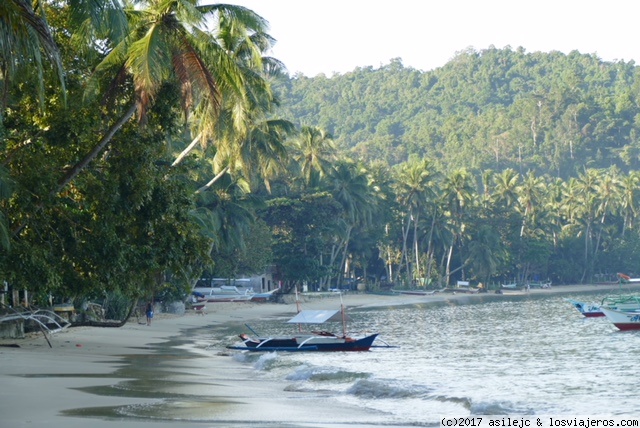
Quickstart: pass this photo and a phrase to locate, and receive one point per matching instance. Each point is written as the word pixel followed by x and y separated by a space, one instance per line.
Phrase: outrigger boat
pixel 624 303
pixel 589 310
pixel 322 341
pixel 623 320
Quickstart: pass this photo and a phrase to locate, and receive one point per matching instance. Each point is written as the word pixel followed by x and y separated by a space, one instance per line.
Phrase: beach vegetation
pixel 144 143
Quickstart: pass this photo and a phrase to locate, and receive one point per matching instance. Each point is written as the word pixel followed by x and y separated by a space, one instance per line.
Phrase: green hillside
pixel 492 109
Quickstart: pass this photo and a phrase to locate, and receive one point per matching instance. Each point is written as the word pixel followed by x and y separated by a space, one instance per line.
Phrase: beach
pixel 41 384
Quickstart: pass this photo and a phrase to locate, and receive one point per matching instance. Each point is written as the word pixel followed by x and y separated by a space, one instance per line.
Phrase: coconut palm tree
pixel 457 193
pixel 415 193
pixel 24 37
pixel 313 152
pixel 349 184
pixel 169 41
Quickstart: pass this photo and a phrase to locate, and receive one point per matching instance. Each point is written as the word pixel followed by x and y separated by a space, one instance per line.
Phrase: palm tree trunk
pixel 415 247
pixel 448 269
pixel 187 150
pixel 106 139
pixel 213 180
pixel 78 167
pixel 344 253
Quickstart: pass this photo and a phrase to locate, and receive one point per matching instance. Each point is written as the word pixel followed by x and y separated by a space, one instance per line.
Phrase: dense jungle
pixel 147 144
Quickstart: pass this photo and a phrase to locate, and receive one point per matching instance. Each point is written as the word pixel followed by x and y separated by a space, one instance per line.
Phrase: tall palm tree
pixel 530 197
pixel 629 198
pixel 247 138
pixel 350 187
pixel 415 192
pixel 169 41
pixel 457 193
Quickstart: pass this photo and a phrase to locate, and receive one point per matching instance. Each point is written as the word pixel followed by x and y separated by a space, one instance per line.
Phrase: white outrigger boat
pixel 629 320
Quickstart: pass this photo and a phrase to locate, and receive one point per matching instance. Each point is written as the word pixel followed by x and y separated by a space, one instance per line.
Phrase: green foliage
pixel 303 229
pixel 495 108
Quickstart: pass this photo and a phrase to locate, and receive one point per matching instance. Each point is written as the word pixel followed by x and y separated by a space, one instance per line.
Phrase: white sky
pixel 328 36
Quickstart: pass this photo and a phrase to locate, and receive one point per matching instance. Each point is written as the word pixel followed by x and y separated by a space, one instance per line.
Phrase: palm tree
pixel 457 195
pixel 629 197
pixel 169 41
pixel 415 192
pixel 350 187
pixel 485 252
pixel 247 137
pixel 24 36
pixel 529 198
pixel 313 152
pixel 506 184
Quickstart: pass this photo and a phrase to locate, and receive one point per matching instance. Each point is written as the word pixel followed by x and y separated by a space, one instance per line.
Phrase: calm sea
pixel 528 355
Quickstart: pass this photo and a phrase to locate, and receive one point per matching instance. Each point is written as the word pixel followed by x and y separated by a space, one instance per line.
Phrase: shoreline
pixel 40 383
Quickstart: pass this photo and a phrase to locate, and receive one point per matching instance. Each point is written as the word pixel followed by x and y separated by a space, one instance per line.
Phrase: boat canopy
pixel 316 317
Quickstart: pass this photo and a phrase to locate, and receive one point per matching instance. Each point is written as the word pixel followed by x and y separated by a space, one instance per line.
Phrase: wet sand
pixel 41 386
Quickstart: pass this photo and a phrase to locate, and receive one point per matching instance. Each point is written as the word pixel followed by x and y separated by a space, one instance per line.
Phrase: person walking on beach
pixel 149 311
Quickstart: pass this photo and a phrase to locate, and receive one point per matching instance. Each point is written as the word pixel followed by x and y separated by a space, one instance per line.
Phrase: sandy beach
pixel 42 384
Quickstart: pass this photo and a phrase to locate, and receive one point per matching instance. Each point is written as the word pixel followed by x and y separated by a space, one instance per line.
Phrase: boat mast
pixel 298 310
pixel 344 317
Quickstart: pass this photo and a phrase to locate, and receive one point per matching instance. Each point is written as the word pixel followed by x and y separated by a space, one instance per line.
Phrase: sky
pixel 336 36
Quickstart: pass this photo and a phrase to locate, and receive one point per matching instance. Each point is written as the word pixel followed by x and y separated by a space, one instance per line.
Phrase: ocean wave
pixel 266 361
pixel 324 374
pixel 499 408
pixel 384 388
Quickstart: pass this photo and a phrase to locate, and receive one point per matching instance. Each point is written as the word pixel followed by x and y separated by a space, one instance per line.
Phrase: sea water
pixel 494 355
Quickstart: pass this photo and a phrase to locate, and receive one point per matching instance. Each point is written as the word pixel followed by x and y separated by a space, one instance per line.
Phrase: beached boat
pixel 512 286
pixel 538 284
pixel 225 293
pixel 415 292
pixel 624 278
pixel 264 297
pixel 322 341
pixel 623 320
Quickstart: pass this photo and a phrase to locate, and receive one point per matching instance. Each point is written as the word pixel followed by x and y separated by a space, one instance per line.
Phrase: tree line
pixel 147 143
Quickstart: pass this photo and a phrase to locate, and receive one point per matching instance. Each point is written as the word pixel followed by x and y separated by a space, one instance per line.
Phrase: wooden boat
pixel 264 297
pixel 415 292
pixel 626 278
pixel 623 320
pixel 619 302
pixel 226 293
pixel 322 341
pixel 589 310
pixel 512 286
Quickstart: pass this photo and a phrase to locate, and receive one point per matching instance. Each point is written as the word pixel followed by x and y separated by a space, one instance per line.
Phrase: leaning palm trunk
pixel 78 167
pixel 104 142
pixel 213 180
pixel 187 150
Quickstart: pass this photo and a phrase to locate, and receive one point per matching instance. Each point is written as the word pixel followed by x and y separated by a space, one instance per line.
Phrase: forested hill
pixel 551 113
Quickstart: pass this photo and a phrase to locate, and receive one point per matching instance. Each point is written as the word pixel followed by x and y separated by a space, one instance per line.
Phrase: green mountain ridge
pixel 550 113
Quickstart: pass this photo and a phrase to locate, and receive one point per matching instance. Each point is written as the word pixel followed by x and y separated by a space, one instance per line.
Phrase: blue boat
pixel 314 341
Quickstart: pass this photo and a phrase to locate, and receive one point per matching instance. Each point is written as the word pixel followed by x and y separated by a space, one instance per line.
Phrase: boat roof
pixel 316 317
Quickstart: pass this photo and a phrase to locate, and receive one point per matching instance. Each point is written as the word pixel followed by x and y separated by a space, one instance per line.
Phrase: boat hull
pixel 307 343
pixel 586 309
pixel 623 320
